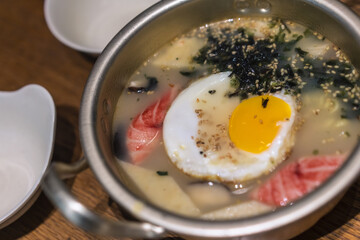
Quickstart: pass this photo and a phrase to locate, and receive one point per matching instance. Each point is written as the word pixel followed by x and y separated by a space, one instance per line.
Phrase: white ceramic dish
pixel 88 25
pixel 27 127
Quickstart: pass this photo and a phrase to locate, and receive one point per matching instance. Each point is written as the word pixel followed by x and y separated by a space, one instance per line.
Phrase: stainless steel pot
pixel 124 54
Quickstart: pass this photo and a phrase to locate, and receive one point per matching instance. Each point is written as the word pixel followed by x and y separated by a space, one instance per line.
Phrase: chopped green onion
pixel 162 173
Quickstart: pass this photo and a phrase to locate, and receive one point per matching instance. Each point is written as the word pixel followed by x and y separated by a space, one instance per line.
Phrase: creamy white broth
pixel 326 124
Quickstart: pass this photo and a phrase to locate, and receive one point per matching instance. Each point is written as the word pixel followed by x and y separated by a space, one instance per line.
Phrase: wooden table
pixel 30 54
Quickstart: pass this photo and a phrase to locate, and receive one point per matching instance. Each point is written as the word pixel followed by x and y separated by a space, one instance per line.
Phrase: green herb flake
pixel 315 152
pixel 187 73
pixel 285 26
pixel 308 33
pixel 162 173
pixel 347 134
pixel 250 34
pixel 301 52
pixel 264 102
pixel 280 37
pixel 287 49
pixel 273 23
pixel 332 62
pixel 234 83
pixel 299 38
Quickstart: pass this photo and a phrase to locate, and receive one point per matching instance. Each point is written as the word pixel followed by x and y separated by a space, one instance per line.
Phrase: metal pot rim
pixel 334 187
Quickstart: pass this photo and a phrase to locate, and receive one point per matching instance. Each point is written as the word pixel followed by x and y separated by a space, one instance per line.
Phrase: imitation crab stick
pixel 145 130
pixel 296 179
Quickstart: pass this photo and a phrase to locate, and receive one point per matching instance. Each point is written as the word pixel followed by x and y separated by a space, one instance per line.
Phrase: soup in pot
pixel 237 118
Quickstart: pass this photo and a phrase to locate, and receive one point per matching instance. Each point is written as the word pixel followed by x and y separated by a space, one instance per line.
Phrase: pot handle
pixel 84 218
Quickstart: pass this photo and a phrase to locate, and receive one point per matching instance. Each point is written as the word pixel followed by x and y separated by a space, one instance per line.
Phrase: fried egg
pixel 211 136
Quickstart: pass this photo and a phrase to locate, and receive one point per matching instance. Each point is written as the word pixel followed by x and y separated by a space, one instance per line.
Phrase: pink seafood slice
pixel 145 130
pixel 296 179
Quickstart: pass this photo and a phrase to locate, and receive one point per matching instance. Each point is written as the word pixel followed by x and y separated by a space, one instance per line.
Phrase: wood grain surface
pixel 29 53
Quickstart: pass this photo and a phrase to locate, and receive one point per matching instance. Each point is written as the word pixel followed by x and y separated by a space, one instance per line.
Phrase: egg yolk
pixel 256 121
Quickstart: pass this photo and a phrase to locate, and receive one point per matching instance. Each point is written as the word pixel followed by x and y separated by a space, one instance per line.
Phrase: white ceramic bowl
pixel 88 25
pixel 27 122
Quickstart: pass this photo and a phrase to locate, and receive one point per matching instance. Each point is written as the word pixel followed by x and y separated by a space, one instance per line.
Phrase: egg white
pixel 195 134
